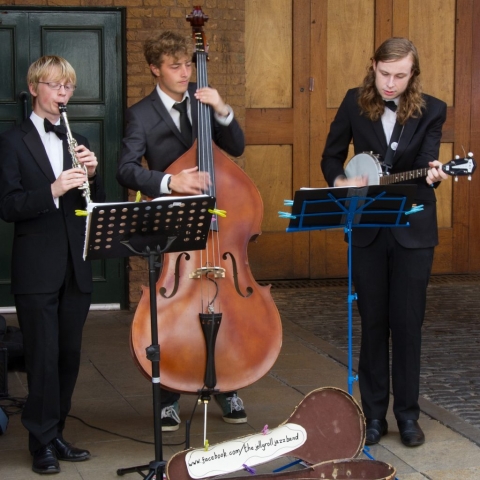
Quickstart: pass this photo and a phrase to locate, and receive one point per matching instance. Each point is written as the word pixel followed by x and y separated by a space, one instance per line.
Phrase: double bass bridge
pixel 218 272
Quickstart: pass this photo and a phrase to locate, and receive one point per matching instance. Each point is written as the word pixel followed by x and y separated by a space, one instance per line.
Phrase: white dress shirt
pixel 389 119
pixel 53 146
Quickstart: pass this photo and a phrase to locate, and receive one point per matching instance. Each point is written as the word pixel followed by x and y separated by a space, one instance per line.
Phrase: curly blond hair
pixel 166 43
pixel 411 102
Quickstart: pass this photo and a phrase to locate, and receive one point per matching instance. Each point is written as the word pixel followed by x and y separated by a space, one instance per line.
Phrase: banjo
pixel 367 164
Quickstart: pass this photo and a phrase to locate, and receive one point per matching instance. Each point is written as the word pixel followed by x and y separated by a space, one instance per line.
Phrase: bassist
pixel 156 130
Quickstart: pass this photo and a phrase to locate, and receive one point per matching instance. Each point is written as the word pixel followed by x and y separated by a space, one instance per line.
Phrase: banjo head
pixel 365 164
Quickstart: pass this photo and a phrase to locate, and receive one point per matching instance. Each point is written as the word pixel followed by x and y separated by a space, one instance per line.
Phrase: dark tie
pixel 391 105
pixel 60 130
pixel 185 125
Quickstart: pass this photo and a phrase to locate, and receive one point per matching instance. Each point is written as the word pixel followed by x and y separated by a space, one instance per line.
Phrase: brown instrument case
pixel 335 436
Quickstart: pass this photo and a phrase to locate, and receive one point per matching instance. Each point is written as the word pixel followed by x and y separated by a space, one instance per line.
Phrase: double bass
pixel 218 330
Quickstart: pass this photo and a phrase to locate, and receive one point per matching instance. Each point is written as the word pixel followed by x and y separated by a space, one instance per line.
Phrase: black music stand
pixel 149 229
pixel 348 208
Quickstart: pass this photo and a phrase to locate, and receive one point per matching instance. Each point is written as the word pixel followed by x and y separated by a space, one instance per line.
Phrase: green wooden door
pixel 91 40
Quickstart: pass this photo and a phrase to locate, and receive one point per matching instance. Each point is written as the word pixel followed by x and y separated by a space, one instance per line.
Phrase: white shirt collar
pixel 167 100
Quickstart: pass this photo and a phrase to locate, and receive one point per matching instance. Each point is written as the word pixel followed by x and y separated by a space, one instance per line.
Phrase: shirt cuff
pixel 225 121
pixel 164 184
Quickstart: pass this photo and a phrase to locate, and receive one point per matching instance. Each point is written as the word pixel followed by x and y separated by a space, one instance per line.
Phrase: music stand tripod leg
pixel 156 468
pixel 351 298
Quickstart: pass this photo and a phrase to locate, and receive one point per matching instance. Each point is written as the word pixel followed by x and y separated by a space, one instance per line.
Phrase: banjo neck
pixel 367 165
pixel 403 176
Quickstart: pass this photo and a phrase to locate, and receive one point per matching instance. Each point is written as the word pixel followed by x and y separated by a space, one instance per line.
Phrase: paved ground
pixel 112 405
pixel 450 374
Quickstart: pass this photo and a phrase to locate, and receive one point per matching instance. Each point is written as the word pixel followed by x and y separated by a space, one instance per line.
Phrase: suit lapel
pixel 380 134
pixel 404 141
pixel 192 87
pixel 67 158
pixel 406 137
pixel 34 144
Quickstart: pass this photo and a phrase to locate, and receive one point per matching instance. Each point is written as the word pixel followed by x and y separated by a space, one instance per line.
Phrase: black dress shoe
pixel 68 452
pixel 45 460
pixel 411 433
pixel 375 430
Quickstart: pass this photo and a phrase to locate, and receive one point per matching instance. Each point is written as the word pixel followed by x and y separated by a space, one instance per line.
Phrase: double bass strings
pixel 205 163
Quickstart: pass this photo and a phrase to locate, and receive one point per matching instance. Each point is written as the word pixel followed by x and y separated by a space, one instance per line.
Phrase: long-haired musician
pixel 51 282
pixel 390 116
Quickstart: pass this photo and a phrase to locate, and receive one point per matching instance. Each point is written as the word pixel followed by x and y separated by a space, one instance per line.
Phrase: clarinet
pixel 72 144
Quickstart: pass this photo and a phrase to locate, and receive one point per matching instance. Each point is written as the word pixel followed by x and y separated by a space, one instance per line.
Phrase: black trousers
pixel 391 284
pixel 52 327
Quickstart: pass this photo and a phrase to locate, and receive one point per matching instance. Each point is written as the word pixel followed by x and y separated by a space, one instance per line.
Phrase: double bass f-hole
pixel 235 275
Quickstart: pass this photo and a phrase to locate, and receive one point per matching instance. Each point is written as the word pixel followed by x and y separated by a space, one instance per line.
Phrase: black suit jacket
pixel 151 132
pixel 418 145
pixel 43 233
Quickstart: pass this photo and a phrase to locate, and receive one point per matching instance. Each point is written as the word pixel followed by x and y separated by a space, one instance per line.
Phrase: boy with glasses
pixel 51 282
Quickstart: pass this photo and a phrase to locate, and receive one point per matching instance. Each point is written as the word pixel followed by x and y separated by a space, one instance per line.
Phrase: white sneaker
pixel 170 418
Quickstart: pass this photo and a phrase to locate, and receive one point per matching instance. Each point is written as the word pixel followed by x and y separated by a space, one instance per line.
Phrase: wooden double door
pixel 301 57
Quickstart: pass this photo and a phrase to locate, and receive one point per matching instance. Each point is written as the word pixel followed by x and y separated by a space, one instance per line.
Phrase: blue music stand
pixel 348 208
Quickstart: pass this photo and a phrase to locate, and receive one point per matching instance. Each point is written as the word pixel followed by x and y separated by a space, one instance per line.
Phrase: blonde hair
pixel 411 102
pixel 166 43
pixel 50 65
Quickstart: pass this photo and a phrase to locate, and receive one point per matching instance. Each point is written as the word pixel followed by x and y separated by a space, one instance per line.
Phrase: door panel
pixel 349 41
pixel 90 41
pixel 276 127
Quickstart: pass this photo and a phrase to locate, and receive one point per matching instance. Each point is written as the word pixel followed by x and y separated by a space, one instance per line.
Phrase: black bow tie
pixel 391 105
pixel 60 130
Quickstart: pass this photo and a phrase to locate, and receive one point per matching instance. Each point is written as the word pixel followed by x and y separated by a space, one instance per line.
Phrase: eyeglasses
pixel 69 87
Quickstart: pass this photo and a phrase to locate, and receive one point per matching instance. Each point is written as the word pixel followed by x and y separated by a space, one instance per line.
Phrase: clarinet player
pixel 51 282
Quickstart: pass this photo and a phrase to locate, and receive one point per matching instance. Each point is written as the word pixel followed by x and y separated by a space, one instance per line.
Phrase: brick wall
pixel 224 32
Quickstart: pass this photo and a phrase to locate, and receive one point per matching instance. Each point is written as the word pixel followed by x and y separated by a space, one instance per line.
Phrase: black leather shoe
pixel 411 433
pixel 68 452
pixel 375 430
pixel 45 460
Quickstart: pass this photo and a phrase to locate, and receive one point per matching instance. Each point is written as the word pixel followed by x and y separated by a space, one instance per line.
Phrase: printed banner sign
pixel 231 456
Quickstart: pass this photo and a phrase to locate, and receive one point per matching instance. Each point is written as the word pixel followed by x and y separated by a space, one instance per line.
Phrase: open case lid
pixel 334 423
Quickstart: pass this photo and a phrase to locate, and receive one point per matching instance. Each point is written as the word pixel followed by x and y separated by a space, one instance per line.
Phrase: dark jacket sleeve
pixel 131 173
pixel 229 138
pixel 18 202
pixel 340 135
